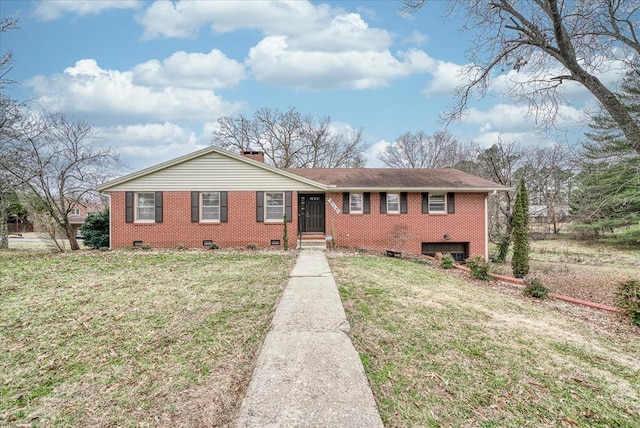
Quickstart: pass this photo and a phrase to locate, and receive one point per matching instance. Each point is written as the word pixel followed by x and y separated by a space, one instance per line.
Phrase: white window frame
pixel 269 217
pixel 138 207
pixel 438 202
pixel 203 206
pixel 395 210
pixel 75 211
pixel 351 203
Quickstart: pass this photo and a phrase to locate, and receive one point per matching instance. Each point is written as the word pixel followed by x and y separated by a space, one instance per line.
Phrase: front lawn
pixel 132 338
pixel 440 351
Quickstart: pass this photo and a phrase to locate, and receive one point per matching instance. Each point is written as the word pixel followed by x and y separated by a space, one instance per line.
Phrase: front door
pixel 311 210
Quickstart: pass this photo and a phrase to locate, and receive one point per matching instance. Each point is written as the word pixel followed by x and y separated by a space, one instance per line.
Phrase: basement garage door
pixel 458 250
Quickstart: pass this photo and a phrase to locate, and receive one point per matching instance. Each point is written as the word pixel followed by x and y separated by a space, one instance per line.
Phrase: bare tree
pixel 6 57
pixel 550 175
pixel 580 37
pixel 291 140
pixel 9 113
pixel 326 147
pixel 421 150
pixel 499 163
pixel 57 163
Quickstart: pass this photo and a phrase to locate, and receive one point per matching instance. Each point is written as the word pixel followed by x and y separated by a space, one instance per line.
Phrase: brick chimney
pixel 253 154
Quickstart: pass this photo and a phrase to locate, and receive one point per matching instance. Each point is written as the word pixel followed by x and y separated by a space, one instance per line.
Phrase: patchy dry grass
pixel 582 269
pixel 439 351
pixel 591 253
pixel 131 339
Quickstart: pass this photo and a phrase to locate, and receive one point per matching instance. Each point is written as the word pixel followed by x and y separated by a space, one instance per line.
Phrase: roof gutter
pixel 418 189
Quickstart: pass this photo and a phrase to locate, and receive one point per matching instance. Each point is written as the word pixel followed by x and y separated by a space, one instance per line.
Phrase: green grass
pixel 439 351
pixel 131 338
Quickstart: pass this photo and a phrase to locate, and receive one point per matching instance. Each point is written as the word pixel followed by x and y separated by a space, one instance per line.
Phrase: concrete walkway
pixel 308 373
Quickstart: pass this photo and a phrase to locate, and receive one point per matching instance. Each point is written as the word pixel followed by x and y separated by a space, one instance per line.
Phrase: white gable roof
pixel 211 169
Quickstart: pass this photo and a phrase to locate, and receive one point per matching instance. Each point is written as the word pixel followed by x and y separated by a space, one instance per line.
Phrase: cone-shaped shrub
pixel 520 223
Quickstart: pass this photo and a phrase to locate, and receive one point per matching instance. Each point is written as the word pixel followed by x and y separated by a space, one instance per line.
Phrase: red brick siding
pixel 177 228
pixel 376 230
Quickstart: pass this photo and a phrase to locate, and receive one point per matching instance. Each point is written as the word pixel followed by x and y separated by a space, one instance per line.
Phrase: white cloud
pixel 305 46
pixel 527 81
pixel 47 10
pixel 511 123
pixel 416 38
pixel 446 76
pixel 185 18
pixel 371 155
pixel 501 118
pixel 87 88
pixel 274 61
pixel 143 145
pixel 190 70
pixel 527 139
pixel 345 33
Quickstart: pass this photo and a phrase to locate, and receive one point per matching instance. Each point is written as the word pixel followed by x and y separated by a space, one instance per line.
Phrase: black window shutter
pixel 403 203
pixel 383 202
pixel 158 207
pixel 451 203
pixel 260 206
pixel 195 207
pixel 128 210
pixel 287 205
pixel 366 203
pixel 345 202
pixel 425 202
pixel 224 215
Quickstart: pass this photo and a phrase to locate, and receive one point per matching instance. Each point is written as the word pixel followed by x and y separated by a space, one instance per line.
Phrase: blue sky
pixel 152 77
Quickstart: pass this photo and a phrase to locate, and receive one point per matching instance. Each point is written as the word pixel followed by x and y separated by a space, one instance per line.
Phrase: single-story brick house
pixel 215 196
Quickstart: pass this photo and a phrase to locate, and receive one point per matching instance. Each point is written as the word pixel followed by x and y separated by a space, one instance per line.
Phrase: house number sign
pixel 334 206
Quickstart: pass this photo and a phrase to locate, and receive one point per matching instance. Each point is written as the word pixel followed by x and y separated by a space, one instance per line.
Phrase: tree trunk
pixel 554 219
pixel 566 55
pixel 616 109
pixel 73 242
pixel 4 234
pixel 4 227
pixel 71 236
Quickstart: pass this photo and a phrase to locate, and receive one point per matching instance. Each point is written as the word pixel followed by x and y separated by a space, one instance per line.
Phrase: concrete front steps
pixel 316 241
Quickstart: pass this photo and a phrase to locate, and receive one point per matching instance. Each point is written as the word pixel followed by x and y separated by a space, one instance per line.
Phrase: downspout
pixel 108 196
pixel 486 226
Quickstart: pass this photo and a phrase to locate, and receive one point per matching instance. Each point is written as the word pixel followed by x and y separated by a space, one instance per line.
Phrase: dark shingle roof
pixel 396 178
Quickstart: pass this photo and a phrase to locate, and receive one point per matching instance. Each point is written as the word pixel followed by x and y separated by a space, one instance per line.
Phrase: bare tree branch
pixel 56 163
pixel 421 150
pixel 536 36
pixel 291 140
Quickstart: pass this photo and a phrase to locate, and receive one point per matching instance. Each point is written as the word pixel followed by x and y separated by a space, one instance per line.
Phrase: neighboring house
pixel 77 217
pixel 214 196
pixel 542 214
